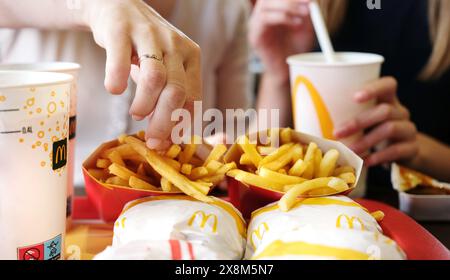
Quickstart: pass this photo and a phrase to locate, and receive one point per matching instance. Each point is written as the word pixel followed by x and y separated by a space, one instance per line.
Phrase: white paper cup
pixel 322 93
pixel 34 128
pixel 73 70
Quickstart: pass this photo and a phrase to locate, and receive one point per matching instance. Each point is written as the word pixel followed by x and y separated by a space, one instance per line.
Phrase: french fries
pixel 378 215
pixel 114 180
pixel 343 169
pixel 289 199
pixel 309 159
pixel 250 150
pixel 328 163
pixel 295 169
pixel 166 185
pixel 103 163
pixel 116 158
pixel 198 172
pixel 186 168
pixel 173 151
pixel 216 153
pixel 213 166
pixel 285 135
pixel 137 183
pixel 178 169
pixel 348 177
pixel 280 177
pixel 99 174
pixel 254 180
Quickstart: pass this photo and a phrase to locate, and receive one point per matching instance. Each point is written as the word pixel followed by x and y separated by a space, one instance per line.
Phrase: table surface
pixel 441 230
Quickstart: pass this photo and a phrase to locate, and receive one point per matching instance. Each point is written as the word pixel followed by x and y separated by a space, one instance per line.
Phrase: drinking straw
pixel 321 31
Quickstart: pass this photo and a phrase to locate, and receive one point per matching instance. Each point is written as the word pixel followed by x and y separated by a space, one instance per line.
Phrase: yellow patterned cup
pixel 34 128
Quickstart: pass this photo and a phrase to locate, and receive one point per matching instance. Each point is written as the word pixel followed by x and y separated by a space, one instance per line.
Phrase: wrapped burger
pixel 332 227
pixel 160 250
pixel 213 230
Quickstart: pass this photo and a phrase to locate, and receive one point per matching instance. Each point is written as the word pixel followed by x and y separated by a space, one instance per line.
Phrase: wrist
pixel 277 80
pixel 85 13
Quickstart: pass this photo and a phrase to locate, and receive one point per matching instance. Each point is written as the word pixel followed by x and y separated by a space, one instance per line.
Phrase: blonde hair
pixel 439 22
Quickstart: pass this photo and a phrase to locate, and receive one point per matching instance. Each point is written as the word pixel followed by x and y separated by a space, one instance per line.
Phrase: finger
pixel 270 18
pixel 373 116
pixel 216 139
pixel 193 88
pixel 134 73
pixel 172 97
pixel 382 90
pixel 395 152
pixel 118 62
pixel 394 131
pixel 292 7
pixel 151 80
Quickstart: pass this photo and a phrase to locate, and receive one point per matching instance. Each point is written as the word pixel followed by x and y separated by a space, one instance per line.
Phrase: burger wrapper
pixel 405 179
pixel 333 227
pixel 196 230
pixel 160 250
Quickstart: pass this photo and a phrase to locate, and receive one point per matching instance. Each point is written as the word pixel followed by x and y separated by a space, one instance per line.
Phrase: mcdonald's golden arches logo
pixel 350 221
pixel 259 232
pixel 203 220
pixel 323 115
pixel 59 155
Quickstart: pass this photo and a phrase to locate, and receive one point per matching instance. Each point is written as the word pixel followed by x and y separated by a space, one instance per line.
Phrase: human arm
pixel 126 30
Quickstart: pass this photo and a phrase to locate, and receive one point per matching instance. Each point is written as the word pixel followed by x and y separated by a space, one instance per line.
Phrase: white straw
pixel 321 31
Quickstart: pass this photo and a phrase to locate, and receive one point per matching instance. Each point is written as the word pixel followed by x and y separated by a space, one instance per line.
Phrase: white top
pixel 218 26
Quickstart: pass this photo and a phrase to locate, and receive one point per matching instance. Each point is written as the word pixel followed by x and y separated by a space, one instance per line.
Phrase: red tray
pixel 416 241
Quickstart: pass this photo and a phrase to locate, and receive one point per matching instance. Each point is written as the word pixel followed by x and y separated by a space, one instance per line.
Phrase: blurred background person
pixel 412 96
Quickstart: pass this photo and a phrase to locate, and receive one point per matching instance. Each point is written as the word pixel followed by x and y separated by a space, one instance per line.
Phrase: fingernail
pixel 361 96
pixel 153 143
pixel 340 132
pixel 137 118
pixel 367 161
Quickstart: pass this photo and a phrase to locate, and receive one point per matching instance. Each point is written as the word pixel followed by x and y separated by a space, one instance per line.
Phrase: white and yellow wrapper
pixel 217 228
pixel 333 227
pixel 161 250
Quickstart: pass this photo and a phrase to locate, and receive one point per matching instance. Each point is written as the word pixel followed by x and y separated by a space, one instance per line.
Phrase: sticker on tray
pixel 48 250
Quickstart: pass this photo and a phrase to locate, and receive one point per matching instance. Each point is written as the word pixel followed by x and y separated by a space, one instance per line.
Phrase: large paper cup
pixel 322 93
pixel 34 128
pixel 71 69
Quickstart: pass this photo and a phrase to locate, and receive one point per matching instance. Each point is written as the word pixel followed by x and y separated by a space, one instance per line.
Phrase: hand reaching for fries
pixel 177 169
pixel 164 62
pixel 294 169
